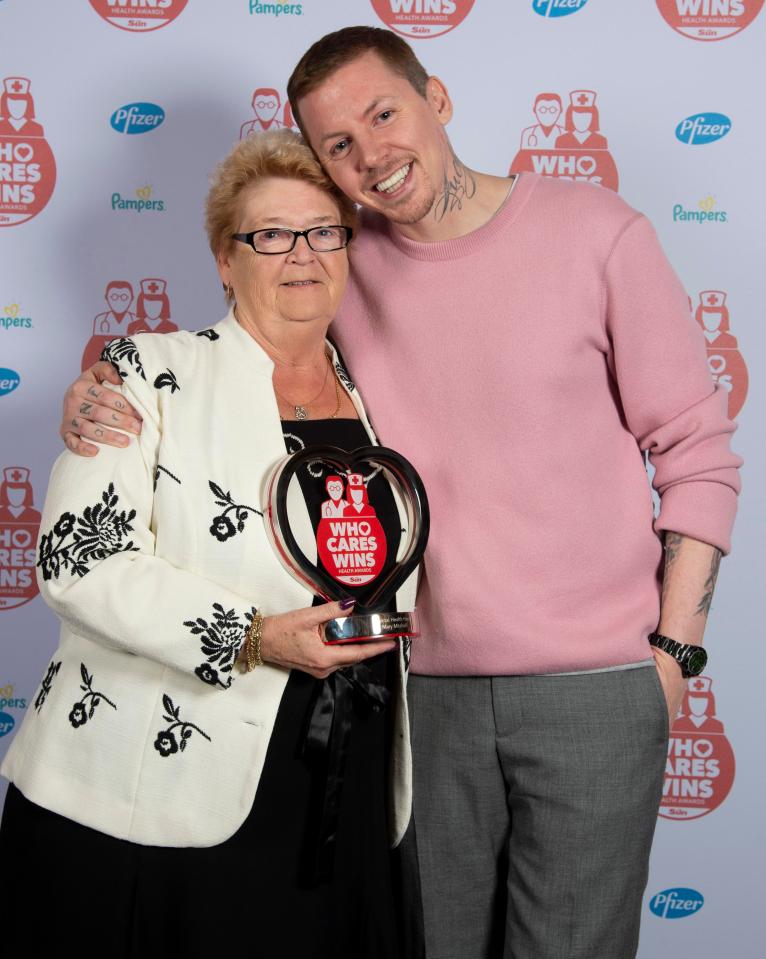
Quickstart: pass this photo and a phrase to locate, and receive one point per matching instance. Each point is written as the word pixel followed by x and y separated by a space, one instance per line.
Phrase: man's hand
pixel 90 408
pixel 672 681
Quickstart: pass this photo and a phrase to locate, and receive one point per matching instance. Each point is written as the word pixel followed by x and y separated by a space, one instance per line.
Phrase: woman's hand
pixel 295 640
pixel 89 406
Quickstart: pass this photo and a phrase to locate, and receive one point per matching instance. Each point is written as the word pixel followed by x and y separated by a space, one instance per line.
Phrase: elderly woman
pixel 160 790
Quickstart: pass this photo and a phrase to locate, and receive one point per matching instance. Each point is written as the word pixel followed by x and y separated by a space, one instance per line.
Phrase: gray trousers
pixel 535 802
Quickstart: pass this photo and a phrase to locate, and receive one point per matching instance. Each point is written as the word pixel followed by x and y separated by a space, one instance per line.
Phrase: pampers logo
pixel 276 9
pixel 701 128
pixel 705 212
pixel 137 118
pixel 142 202
pixel 11 317
pixel 9 380
pixel 557 8
pixel 676 903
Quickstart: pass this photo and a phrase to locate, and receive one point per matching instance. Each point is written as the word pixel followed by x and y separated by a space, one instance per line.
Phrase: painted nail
pixel 347 603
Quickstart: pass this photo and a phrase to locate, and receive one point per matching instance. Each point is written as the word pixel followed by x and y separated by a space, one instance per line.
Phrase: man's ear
pixel 439 100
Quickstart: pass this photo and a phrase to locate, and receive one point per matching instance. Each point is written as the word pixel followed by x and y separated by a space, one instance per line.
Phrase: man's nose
pixel 371 153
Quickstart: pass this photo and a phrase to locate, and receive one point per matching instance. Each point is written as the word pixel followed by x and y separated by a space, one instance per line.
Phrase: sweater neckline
pixel 478 239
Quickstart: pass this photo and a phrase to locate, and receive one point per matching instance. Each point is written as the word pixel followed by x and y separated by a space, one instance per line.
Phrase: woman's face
pixel 296 287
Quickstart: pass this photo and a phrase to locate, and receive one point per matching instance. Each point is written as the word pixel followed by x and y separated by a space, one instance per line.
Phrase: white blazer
pixel 154 557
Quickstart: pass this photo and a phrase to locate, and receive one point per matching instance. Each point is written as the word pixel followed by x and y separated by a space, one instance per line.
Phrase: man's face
pixel 547 112
pixel 381 142
pixel 335 489
pixel 119 299
pixel 265 107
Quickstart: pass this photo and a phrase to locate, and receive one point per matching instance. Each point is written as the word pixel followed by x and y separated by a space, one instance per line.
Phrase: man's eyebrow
pixel 370 109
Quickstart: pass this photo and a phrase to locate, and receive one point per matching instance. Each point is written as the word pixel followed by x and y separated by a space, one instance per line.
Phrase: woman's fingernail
pixel 347 603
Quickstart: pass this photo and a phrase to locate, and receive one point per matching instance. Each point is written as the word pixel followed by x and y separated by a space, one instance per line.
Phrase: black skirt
pixel 99 894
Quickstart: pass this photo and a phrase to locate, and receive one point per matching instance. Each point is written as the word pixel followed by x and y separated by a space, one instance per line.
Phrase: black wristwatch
pixel 691 658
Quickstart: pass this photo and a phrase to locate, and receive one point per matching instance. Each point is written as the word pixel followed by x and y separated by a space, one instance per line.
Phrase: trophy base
pixel 370 628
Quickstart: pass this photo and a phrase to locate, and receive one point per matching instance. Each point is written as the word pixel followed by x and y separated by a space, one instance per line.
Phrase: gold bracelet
pixel 253 643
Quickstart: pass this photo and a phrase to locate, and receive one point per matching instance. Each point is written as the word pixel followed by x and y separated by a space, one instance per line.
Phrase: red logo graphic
pixel 723 357
pixel 27 166
pixel 266 104
pixel 350 540
pixel 709 19
pixel 19 528
pixel 568 145
pixel 152 315
pixel 138 16
pixel 700 768
pixel 422 18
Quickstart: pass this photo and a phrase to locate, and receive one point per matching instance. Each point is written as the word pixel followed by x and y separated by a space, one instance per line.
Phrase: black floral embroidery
pixel 344 377
pixel 166 743
pixel 84 709
pixel 168 378
pixel 46 684
pixel 161 469
pixel 98 533
pixel 222 526
pixel 210 334
pixel 222 640
pixel 123 349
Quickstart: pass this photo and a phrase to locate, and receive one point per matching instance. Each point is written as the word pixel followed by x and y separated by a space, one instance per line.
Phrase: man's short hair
pixel 337 49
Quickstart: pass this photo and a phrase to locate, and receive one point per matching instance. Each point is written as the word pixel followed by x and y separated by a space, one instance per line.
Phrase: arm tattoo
pixel 672 547
pixel 703 608
pixel 460 186
pixel 85 408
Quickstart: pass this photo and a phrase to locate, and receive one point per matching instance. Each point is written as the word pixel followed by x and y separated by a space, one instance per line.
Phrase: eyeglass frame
pixel 248 238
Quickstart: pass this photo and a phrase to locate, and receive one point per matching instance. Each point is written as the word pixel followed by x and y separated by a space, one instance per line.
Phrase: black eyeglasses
pixel 321 239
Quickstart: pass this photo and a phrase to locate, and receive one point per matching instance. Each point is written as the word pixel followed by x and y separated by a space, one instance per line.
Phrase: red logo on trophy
pixel 269 113
pixel 700 768
pixel 27 165
pixel 709 19
pixel 350 540
pixel 723 357
pixel 19 528
pixel 152 315
pixel 422 18
pixel 138 16
pixel 567 144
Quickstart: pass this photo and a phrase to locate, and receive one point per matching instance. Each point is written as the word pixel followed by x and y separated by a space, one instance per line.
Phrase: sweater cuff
pixel 701 510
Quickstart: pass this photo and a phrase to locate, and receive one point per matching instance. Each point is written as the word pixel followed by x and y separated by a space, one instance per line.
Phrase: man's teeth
pixel 389 185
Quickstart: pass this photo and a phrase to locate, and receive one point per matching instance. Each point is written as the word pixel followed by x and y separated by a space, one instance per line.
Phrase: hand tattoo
pixel 85 408
pixel 99 432
pixel 703 607
pixel 116 417
pixel 460 186
pixel 119 404
pixel 92 391
pixel 75 423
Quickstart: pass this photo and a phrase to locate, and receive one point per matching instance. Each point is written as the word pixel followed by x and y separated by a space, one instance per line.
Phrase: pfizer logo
pixel 702 128
pixel 137 118
pixel 676 903
pixel 420 19
pixel 9 380
pixel 138 17
pixel 557 8
pixel 7 722
pixel 708 20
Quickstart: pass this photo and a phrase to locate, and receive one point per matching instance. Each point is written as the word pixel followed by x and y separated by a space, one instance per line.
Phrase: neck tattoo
pixel 455 189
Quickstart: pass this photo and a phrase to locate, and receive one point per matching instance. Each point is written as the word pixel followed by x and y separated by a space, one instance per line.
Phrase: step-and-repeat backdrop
pixel 113 113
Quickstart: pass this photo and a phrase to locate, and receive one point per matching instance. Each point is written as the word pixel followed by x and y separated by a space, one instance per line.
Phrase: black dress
pixel 93 892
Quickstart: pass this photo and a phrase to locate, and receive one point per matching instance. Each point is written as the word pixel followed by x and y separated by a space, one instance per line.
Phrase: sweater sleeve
pixel 96 564
pixel 670 402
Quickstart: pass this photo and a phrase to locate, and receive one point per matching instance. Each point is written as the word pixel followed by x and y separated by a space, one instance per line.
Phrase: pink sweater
pixel 523 369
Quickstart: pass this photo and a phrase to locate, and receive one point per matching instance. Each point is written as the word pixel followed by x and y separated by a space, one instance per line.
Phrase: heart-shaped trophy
pixel 351 544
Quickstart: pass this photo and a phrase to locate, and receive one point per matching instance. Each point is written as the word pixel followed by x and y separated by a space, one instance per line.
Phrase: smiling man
pixel 525 336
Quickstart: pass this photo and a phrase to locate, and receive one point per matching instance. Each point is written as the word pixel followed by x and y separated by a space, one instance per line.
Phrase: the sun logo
pixel 11 310
pixel 144 192
pixel 707 203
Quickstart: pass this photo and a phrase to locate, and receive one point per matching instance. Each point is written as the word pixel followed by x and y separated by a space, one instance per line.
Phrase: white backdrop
pixel 127 206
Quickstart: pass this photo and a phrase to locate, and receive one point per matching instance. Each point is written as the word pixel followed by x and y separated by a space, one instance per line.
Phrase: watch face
pixel 696 662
